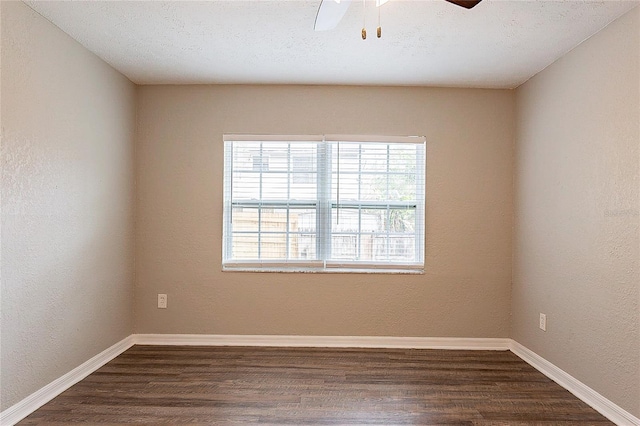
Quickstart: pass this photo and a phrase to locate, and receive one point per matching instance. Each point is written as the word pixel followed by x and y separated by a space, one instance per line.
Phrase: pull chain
pixel 364 19
pixel 379 29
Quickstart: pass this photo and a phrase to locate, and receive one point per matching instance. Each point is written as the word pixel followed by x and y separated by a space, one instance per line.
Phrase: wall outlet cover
pixel 162 301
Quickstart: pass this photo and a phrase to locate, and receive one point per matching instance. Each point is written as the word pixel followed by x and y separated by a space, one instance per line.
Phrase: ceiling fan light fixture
pixel 331 12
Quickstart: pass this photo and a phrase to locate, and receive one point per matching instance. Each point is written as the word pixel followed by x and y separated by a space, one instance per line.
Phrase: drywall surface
pixel 577 213
pixel 465 291
pixel 68 126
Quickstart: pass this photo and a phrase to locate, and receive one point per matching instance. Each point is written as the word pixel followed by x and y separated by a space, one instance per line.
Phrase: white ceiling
pixel 498 44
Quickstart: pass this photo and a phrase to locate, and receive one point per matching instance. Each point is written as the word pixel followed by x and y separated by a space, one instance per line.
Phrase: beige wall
pixel 466 289
pixel 68 124
pixel 577 242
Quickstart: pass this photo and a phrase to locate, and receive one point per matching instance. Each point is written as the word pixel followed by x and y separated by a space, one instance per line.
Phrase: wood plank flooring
pixel 298 386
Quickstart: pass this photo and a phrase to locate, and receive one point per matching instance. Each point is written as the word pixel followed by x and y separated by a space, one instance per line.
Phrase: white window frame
pixel 323 205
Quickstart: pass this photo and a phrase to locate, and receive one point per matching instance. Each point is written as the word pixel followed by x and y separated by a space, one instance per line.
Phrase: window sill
pixel 300 270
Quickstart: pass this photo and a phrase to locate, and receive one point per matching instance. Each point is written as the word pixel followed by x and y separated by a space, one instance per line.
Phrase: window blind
pixel 324 203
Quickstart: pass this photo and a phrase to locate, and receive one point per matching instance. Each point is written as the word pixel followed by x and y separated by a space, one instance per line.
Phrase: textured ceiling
pixel 497 44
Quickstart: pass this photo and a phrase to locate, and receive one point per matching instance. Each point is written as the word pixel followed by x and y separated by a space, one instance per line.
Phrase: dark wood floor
pixel 296 386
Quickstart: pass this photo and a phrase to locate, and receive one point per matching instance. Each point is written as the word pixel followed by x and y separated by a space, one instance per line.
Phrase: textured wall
pixel 68 124
pixel 466 289
pixel 577 242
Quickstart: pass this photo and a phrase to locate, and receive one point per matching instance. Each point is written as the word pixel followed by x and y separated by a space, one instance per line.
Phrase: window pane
pixel 367 187
pixel 302 220
pixel 260 162
pixel 272 224
pixel 302 246
pixel 273 246
pixel 374 157
pixel 402 220
pixel 402 187
pixel 246 186
pixel 372 220
pixel 274 171
pixel 273 220
pixel 402 158
pixel 402 248
pixel 345 220
pixel 305 188
pixel 245 219
pixel 244 155
pixel 274 186
pixel 245 246
pixel 303 169
pixel 374 187
pixel 393 248
pixel 275 155
pixel 344 246
pixel 303 165
pixel 346 157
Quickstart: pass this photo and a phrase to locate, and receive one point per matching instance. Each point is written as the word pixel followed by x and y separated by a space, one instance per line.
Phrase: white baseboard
pixel 601 404
pixel 598 402
pixel 22 409
pixel 460 343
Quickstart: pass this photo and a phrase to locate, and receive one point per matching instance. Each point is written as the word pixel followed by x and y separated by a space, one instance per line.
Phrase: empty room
pixel 299 212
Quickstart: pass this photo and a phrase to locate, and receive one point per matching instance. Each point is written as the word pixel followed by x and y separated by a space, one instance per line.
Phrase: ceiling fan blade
pixel 330 13
pixel 467 4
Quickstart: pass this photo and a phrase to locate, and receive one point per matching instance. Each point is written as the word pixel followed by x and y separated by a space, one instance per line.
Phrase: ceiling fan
pixel 331 12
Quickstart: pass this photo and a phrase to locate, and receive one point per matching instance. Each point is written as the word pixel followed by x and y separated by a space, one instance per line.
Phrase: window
pixel 328 203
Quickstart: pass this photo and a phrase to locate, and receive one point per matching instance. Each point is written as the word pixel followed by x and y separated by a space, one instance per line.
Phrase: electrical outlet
pixel 162 301
pixel 543 322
